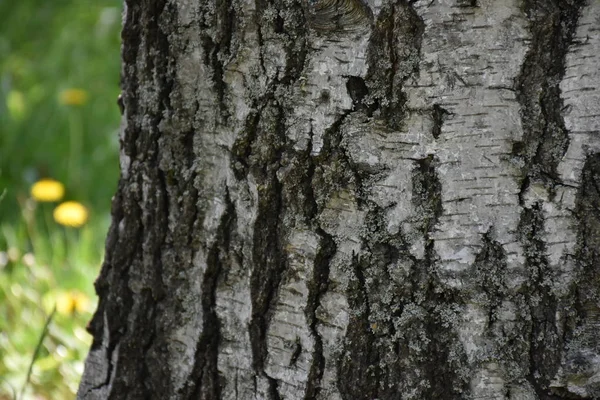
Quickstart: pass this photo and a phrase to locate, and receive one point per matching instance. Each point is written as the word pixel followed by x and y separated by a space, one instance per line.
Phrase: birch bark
pixel 354 199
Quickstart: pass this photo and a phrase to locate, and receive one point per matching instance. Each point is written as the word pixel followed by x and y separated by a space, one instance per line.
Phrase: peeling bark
pixel 354 199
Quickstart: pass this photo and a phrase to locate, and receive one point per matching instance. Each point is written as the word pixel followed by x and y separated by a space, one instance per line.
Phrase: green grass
pixel 45 48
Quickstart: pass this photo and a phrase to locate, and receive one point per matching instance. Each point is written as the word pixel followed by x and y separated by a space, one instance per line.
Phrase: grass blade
pixel 37 351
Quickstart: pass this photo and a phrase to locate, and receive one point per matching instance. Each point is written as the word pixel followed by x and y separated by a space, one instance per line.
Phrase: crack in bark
pixel 295 28
pixel 317 288
pixel 427 196
pixel 297 352
pixel 467 4
pixel 490 277
pixel 396 37
pixel 242 147
pixel 425 292
pixel 545 141
pixel 217 48
pixel 507 344
pixel 358 378
pixel 438 114
pixel 204 381
pixel 333 167
pixel 545 346
pixel 268 257
pixel 261 150
pixel 545 138
pixel 212 51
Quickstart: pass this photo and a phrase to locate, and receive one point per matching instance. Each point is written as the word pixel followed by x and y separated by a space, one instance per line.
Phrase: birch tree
pixel 354 199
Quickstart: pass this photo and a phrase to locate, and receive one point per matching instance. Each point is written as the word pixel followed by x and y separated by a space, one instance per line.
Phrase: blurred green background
pixel 59 81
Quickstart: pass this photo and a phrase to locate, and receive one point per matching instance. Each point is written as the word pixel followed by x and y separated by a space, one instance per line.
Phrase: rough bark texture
pixel 354 199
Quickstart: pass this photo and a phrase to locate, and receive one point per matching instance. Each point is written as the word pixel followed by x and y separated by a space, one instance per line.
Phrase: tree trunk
pixel 354 199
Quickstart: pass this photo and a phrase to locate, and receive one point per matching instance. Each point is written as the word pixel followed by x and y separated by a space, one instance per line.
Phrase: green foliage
pixel 49 130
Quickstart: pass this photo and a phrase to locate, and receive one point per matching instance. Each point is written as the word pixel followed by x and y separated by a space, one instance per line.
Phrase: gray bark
pixel 354 199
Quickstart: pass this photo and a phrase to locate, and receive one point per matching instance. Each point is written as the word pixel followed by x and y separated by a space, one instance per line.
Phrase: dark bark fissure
pixel 317 287
pixel 288 28
pixel 399 340
pixel 358 91
pixel 333 169
pixel 204 382
pixel 242 147
pixel 217 47
pixel 131 37
pixel 490 265
pixel 588 221
pixel 302 204
pixel 317 177
pixel 268 257
pixel 423 344
pixel 211 55
pixel 438 114
pixel 545 141
pixel 295 30
pixel 545 345
pixel 467 3
pixel 545 138
pixel 358 375
pixel 396 36
pixel 507 345
pixel 427 196
pixel 443 363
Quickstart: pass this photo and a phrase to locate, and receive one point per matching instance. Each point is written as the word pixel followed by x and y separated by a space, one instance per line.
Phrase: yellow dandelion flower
pixel 73 97
pixel 74 301
pixel 47 190
pixel 71 213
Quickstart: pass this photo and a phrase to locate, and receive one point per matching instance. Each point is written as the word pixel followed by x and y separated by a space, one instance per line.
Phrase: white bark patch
pixel 234 310
pixel 488 384
pixel 333 319
pixel 234 305
pixel 289 340
pixel 182 342
pixel 470 58
pixel 468 69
